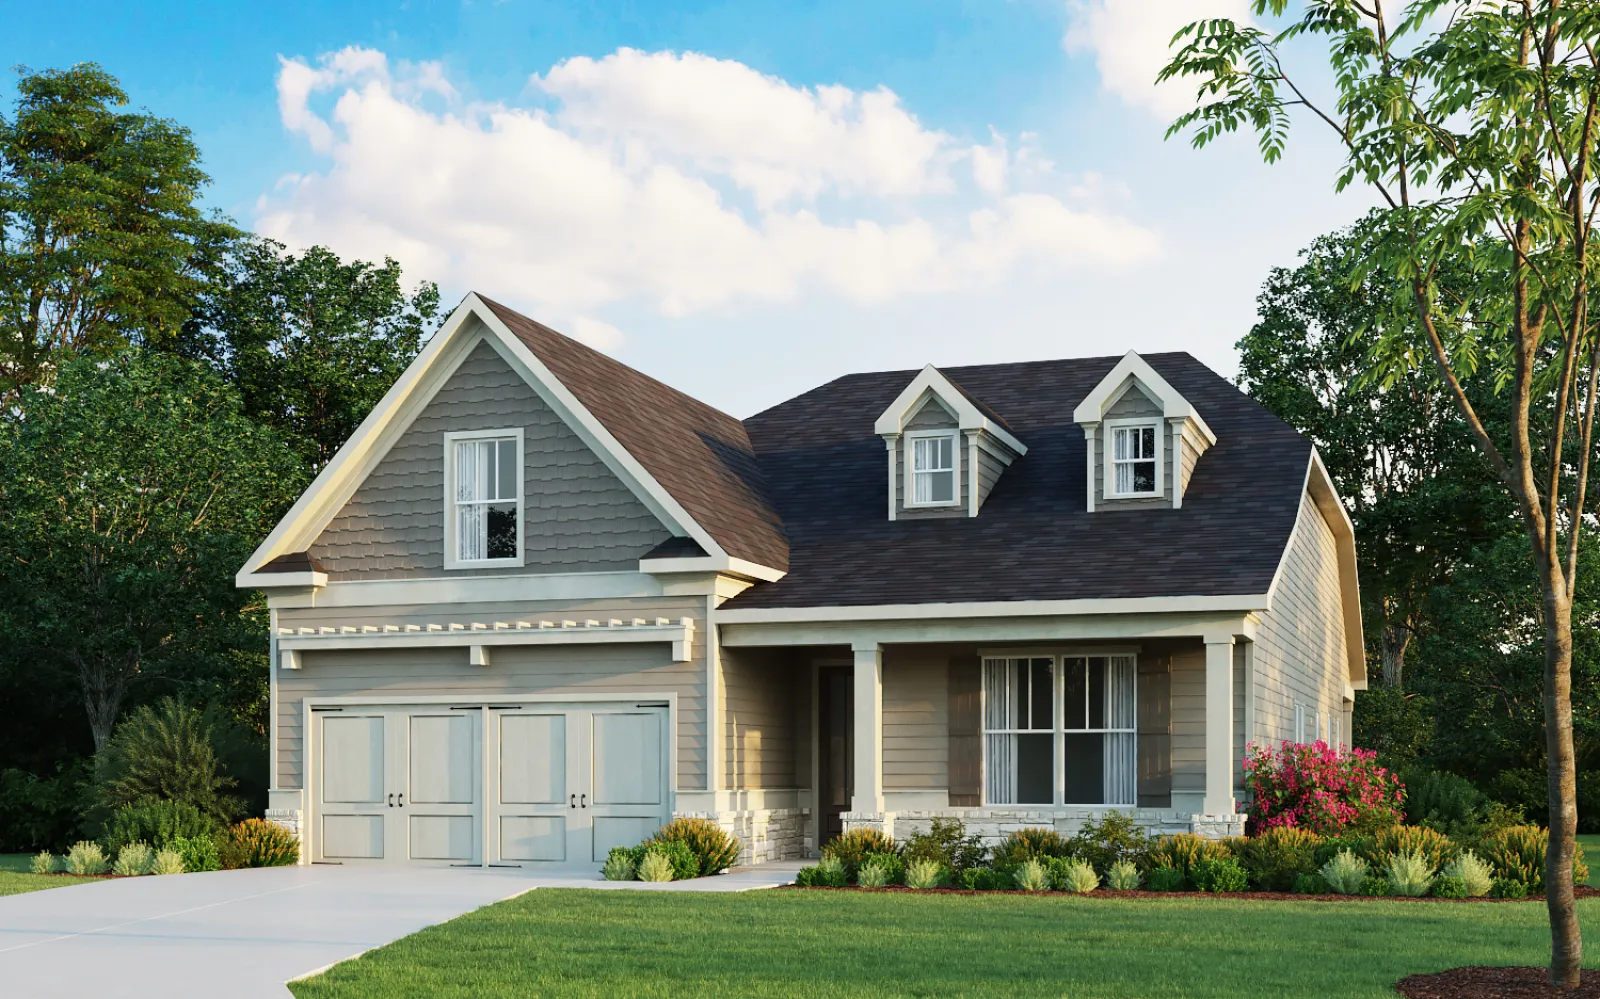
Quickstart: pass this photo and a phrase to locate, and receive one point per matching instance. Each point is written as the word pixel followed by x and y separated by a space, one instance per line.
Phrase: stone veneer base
pixel 993 825
pixel 768 834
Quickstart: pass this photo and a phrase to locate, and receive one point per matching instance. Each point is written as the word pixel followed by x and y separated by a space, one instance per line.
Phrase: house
pixel 540 603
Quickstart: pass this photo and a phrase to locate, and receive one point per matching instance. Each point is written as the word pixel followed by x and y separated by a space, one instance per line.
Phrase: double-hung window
pixel 1135 459
pixel 933 460
pixel 484 495
pixel 1060 730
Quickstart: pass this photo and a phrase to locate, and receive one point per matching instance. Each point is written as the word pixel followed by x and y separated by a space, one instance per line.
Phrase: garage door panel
pixel 442 753
pixel 352 837
pixel 442 837
pixel 627 758
pixel 533 759
pixel 352 759
pixel 533 837
pixel 617 830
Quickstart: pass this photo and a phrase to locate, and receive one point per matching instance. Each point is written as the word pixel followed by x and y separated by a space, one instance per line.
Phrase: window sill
pixel 1117 496
pixel 952 505
pixel 487 563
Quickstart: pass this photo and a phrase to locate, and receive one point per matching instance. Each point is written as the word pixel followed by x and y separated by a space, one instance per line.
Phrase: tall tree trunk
pixel 1566 944
pixel 102 700
pixel 1392 645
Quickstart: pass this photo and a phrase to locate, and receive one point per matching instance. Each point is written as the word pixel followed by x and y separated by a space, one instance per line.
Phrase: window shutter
pixel 966 733
pixel 1155 732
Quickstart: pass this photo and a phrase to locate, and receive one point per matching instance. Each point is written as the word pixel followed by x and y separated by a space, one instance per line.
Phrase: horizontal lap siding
pixel 577 515
pixel 916 729
pixel 1300 652
pixel 759 692
pixel 514 671
pixel 1189 720
pixel 1133 405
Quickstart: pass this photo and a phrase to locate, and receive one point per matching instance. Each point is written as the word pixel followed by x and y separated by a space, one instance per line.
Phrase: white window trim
pixel 908 500
pixel 451 438
pixel 1058 729
pixel 1109 429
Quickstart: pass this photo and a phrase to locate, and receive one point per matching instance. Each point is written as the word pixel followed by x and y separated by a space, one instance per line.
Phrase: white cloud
pixel 1129 41
pixel 679 183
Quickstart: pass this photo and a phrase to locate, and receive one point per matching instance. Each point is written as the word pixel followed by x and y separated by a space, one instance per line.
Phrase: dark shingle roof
pixel 1033 538
pixel 700 455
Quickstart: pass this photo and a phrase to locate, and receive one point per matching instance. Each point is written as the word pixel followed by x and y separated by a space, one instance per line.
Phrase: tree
pixel 134 488
pixel 1420 497
pixel 311 342
pixel 1475 125
pixel 101 242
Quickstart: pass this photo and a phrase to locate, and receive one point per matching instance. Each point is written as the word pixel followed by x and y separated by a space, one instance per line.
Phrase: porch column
pixel 1219 725
pixel 868 724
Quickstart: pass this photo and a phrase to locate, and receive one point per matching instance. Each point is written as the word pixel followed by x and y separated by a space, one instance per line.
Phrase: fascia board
pixel 280 580
pixel 1240 603
pixel 347 462
pixel 712 563
pixel 1132 365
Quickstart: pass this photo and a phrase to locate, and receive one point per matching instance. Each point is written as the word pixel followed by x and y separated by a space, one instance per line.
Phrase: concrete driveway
pixel 244 934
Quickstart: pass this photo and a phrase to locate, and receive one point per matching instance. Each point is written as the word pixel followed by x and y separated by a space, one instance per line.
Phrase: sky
pixel 743 199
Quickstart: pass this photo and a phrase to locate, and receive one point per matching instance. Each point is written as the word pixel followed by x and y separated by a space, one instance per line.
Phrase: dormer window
pixel 1135 459
pixel 934 459
pixel 483 498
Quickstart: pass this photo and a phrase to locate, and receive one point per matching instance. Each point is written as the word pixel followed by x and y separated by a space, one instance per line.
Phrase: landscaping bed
pixel 1582 891
pixel 1477 982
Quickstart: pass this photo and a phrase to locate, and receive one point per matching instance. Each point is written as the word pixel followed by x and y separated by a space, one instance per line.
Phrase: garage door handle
pixel 583 801
pixel 574 802
pixel 391 799
pixel 402 799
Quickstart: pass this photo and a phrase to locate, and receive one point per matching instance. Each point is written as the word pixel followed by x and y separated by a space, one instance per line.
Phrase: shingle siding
pixel 759 691
pixel 577 515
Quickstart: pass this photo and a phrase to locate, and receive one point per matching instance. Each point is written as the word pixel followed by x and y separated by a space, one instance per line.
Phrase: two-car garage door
pixel 537 784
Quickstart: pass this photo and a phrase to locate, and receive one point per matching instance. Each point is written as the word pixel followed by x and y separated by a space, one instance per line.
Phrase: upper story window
pixel 1135 459
pixel 484 491
pixel 933 459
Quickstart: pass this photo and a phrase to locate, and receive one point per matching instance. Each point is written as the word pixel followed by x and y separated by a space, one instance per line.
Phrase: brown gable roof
pixel 701 456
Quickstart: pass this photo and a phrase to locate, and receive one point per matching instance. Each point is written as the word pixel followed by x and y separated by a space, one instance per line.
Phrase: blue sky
pixel 743 199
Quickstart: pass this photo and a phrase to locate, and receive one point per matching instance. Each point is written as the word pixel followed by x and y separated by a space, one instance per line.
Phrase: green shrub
pixel 1029 844
pixel 166 752
pixel 1345 873
pixel 685 865
pixel 1410 874
pixel 1182 851
pixel 1078 876
pixel 619 865
pixel 1311 884
pixel 1433 846
pixel 1123 876
pixel 158 822
pixel 1376 887
pixel 1508 888
pixel 133 859
pixel 41 813
pixel 1220 876
pixel 873 874
pixel 1448 887
pixel 893 866
pixel 984 879
pixel 258 843
pixel 1031 875
pixel 1473 872
pixel 714 847
pixel 806 877
pixel 85 858
pixel 656 867
pixel 925 874
pixel 853 846
pixel 1116 837
pixel 1359 846
pixel 1517 854
pixel 1443 801
pixel 947 843
pixel 831 873
pixel 199 853
pixel 44 862
pixel 167 861
pixel 1278 856
pixel 1166 879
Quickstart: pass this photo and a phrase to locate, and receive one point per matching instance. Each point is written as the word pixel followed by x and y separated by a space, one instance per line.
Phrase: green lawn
pixel 557 943
pixel 16 876
pixel 1591 856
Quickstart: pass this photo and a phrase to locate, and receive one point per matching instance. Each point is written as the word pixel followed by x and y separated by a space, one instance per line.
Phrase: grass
pixel 566 943
pixel 1591 856
pixel 16 876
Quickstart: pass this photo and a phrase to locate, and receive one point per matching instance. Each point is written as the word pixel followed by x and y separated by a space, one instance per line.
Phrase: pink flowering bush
pixel 1320 789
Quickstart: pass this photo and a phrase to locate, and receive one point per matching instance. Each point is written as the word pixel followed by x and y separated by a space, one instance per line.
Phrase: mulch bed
pixel 1583 891
pixel 1494 983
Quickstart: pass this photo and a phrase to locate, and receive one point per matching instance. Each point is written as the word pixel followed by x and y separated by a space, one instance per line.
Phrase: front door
pixel 398 783
pixel 571 782
pixel 836 747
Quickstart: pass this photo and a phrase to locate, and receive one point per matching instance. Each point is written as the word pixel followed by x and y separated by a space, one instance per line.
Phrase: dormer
pixel 1143 438
pixel 946 449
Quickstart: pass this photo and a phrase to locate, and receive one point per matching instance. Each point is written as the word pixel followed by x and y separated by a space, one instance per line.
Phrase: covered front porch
pixel 1001 724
